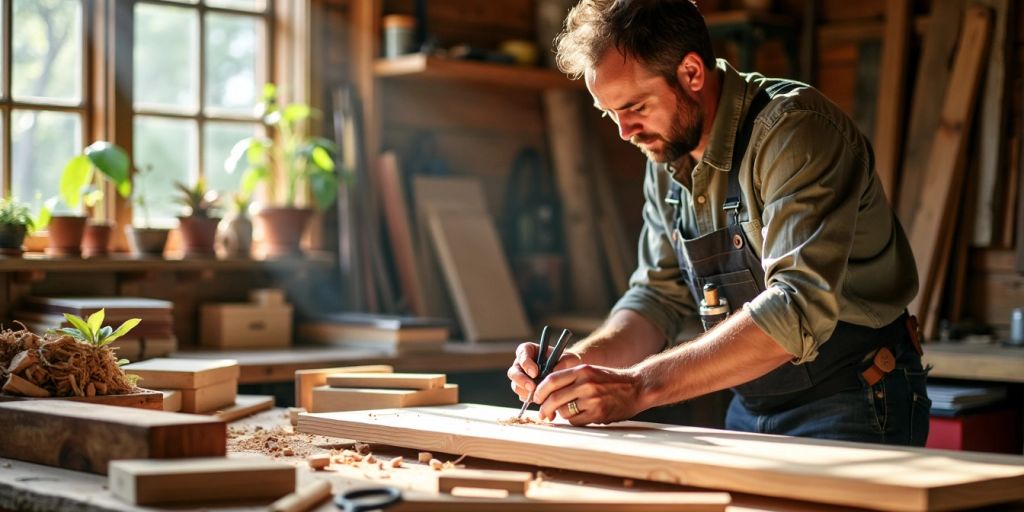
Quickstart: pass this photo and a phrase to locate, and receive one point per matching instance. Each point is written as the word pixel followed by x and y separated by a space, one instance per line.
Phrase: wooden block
pixel 268 297
pixel 478 276
pixel 85 437
pixel 306 380
pixel 514 482
pixel 202 480
pixel 387 380
pixel 304 498
pixel 245 405
pixel 172 400
pixel 293 415
pixel 168 373
pixel 328 399
pixel 143 399
pixel 245 326
pixel 209 398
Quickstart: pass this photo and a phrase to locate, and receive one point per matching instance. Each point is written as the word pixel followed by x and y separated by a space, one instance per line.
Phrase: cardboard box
pixel 245 325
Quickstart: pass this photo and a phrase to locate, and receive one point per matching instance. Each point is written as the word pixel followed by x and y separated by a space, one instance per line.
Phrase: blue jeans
pixel 893 411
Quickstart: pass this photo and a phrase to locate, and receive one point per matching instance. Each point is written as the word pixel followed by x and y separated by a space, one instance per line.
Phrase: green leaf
pixel 124 189
pixel 322 159
pixel 92 197
pixel 121 331
pixel 80 324
pixel 296 112
pixel 103 338
pixel 269 92
pixel 45 213
pixel 122 362
pixel 111 160
pixel 252 177
pixel 74 333
pixel 95 320
pixel 324 186
pixel 77 174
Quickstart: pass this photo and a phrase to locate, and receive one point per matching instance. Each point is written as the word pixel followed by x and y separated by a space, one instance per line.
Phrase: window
pixel 43 93
pixel 199 70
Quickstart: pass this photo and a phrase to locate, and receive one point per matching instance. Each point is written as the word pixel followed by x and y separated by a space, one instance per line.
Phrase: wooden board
pixel 200 480
pixel 144 399
pixel 559 500
pixel 85 437
pixel 306 380
pixel 478 276
pixel 326 398
pixel 933 221
pixel 933 76
pixel 169 373
pixel 888 136
pixel 245 405
pixel 515 482
pixel 209 398
pixel 400 232
pixel 843 473
pixel 387 380
pixel 172 400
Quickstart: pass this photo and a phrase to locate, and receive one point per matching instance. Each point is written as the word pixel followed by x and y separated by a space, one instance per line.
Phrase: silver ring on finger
pixel 573 408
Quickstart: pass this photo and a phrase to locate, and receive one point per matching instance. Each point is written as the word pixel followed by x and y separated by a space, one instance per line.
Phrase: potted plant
pixel 234 233
pixel 145 240
pixel 15 223
pixel 198 227
pixel 302 162
pixel 67 226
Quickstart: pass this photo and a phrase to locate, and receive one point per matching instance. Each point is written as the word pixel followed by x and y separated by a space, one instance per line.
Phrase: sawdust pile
pixel 525 420
pixel 277 442
pixel 59 365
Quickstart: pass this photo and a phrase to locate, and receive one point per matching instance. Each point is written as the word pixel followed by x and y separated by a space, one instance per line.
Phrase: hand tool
pixel 713 308
pixel 549 366
pixel 368 499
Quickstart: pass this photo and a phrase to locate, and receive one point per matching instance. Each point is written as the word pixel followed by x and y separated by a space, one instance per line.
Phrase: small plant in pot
pixel 62 215
pixel 15 223
pixel 302 162
pixel 144 241
pixel 198 226
pixel 234 233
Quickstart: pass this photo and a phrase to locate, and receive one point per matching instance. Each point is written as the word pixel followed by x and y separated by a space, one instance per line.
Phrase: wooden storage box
pixel 245 325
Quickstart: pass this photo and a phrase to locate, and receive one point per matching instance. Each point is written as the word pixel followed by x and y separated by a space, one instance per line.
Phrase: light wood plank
pixel 387 380
pixel 933 221
pixel 394 201
pixel 306 380
pixel 515 482
pixel 200 481
pixel 854 474
pixel 209 398
pixel 245 405
pixel 478 276
pixel 326 398
pixel 177 373
pixel 888 137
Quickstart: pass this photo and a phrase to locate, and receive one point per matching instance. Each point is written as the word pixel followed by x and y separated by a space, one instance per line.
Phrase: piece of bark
pixel 16 385
pixel 21 361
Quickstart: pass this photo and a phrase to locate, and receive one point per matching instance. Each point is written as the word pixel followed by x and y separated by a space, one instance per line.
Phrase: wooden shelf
pixel 34 262
pixel 420 66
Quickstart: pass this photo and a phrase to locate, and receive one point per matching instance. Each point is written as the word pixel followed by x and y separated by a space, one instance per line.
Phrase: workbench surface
pixel 990 362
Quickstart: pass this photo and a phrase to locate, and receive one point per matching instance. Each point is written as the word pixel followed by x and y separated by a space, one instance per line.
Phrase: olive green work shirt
pixel 814 212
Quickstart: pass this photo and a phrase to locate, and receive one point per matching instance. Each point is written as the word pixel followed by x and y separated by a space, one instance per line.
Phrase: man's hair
pixel 658 33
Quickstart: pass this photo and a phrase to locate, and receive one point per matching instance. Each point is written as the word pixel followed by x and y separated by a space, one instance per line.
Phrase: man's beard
pixel 681 138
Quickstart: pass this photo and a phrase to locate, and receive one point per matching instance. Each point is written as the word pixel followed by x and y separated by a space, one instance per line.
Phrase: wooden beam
pixel 394 200
pixel 888 136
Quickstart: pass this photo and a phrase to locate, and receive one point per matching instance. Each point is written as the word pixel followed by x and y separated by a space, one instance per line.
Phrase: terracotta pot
pixel 65 232
pixel 146 241
pixel 96 241
pixel 12 236
pixel 234 236
pixel 283 229
pixel 197 235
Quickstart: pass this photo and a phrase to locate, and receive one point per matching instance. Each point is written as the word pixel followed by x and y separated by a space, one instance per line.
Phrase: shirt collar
pixel 731 104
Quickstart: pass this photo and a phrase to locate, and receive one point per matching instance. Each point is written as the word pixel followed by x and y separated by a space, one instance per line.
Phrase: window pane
pixel 166 57
pixel 218 139
pixel 47 51
pixel 233 75
pixel 41 144
pixel 165 149
pixel 248 5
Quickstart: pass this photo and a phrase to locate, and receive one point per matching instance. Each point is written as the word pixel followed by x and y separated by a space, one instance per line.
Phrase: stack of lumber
pixel 204 385
pixel 372 390
pixel 153 337
pixel 392 333
pixel 263 322
pixel 200 480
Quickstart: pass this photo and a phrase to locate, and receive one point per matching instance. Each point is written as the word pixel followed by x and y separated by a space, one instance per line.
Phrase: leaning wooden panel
pixel 85 437
pixel 842 473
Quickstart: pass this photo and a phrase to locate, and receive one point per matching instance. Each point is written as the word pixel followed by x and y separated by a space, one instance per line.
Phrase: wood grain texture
pixel 892 87
pixel 209 398
pixel 933 221
pixel 144 399
pixel 245 405
pixel 478 276
pixel 200 480
pixel 326 398
pixel 387 380
pixel 306 380
pixel 854 474
pixel 396 214
pixel 515 482
pixel 85 437
pixel 177 373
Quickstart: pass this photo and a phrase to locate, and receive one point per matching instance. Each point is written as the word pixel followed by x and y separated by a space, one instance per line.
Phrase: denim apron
pixel 725 258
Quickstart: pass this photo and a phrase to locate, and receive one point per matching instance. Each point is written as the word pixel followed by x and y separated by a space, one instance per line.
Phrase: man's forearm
pixel 735 352
pixel 625 339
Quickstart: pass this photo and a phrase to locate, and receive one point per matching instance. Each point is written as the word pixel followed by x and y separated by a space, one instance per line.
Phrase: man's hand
pixel 524 369
pixel 602 395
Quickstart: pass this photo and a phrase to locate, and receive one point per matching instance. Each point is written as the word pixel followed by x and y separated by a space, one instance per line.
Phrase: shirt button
pixel 701 199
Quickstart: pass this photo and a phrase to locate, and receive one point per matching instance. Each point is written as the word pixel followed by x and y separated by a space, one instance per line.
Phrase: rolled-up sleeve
pixel 810 176
pixel 656 291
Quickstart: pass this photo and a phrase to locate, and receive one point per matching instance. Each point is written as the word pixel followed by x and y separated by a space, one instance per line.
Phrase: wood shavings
pixel 397 462
pixel 425 457
pixel 436 465
pixel 60 365
pixel 276 442
pixel 525 420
